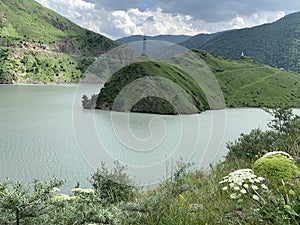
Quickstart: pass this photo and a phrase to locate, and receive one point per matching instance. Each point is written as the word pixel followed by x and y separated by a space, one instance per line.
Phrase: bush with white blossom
pixel 243 182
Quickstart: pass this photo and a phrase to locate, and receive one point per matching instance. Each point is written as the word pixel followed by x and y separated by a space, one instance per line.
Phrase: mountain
pixel 39 45
pixel 198 40
pixel 168 38
pixel 275 44
pixel 243 83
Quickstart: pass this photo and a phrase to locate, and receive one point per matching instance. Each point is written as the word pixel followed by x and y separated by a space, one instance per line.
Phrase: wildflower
pixel 183 202
pixel 84 191
pixel 60 197
pixel 236 188
pixel 243 191
pixel 251 181
pixel 225 188
pixel 181 197
pixel 260 178
pixel 255 197
pixel 75 190
pixel 292 184
pixel 55 189
pixel 238 183
pixel 233 196
pixel 88 191
pixel 246 186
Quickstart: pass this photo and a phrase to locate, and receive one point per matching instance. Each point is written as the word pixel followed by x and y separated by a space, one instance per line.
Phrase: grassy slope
pixel 185 95
pixel 248 84
pixel 243 84
pixel 31 30
pixel 27 20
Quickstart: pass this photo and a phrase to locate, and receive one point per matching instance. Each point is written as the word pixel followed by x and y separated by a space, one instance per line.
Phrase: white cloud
pixel 155 22
pixel 125 22
pixel 122 21
pixel 113 5
pixel 218 10
pixel 242 21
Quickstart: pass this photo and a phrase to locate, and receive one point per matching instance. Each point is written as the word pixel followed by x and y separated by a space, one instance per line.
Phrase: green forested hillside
pixel 39 45
pixel 198 40
pixel 275 44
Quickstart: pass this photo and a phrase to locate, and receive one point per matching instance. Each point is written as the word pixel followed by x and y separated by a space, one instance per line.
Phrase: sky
pixel 121 18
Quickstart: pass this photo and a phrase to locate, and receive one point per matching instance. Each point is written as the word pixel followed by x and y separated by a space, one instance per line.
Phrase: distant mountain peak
pixel 276 44
pixel 168 38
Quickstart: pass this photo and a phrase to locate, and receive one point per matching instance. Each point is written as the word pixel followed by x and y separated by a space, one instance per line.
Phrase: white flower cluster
pixel 55 189
pixel 279 153
pixel 243 181
pixel 65 197
pixel 83 191
pixel 62 197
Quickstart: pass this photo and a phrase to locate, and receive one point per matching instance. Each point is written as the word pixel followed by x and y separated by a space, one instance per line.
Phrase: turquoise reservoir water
pixel 45 132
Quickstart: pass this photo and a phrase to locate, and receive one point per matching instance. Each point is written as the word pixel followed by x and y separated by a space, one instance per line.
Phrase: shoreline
pixel 78 85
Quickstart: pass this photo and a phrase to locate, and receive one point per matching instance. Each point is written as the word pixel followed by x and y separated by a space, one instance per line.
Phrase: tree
pixel 282 119
pixel 89 103
pixel 248 146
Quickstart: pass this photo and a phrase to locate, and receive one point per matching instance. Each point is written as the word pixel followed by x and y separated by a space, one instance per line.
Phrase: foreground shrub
pixel 113 186
pixel 278 168
pixel 248 146
pixel 284 135
pixel 23 204
pixel 83 207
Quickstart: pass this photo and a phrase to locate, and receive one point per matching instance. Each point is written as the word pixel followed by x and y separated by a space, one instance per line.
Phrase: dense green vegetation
pixel 162 89
pixel 229 193
pixel 243 83
pixel 198 40
pixel 274 44
pixel 26 66
pixel 39 45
